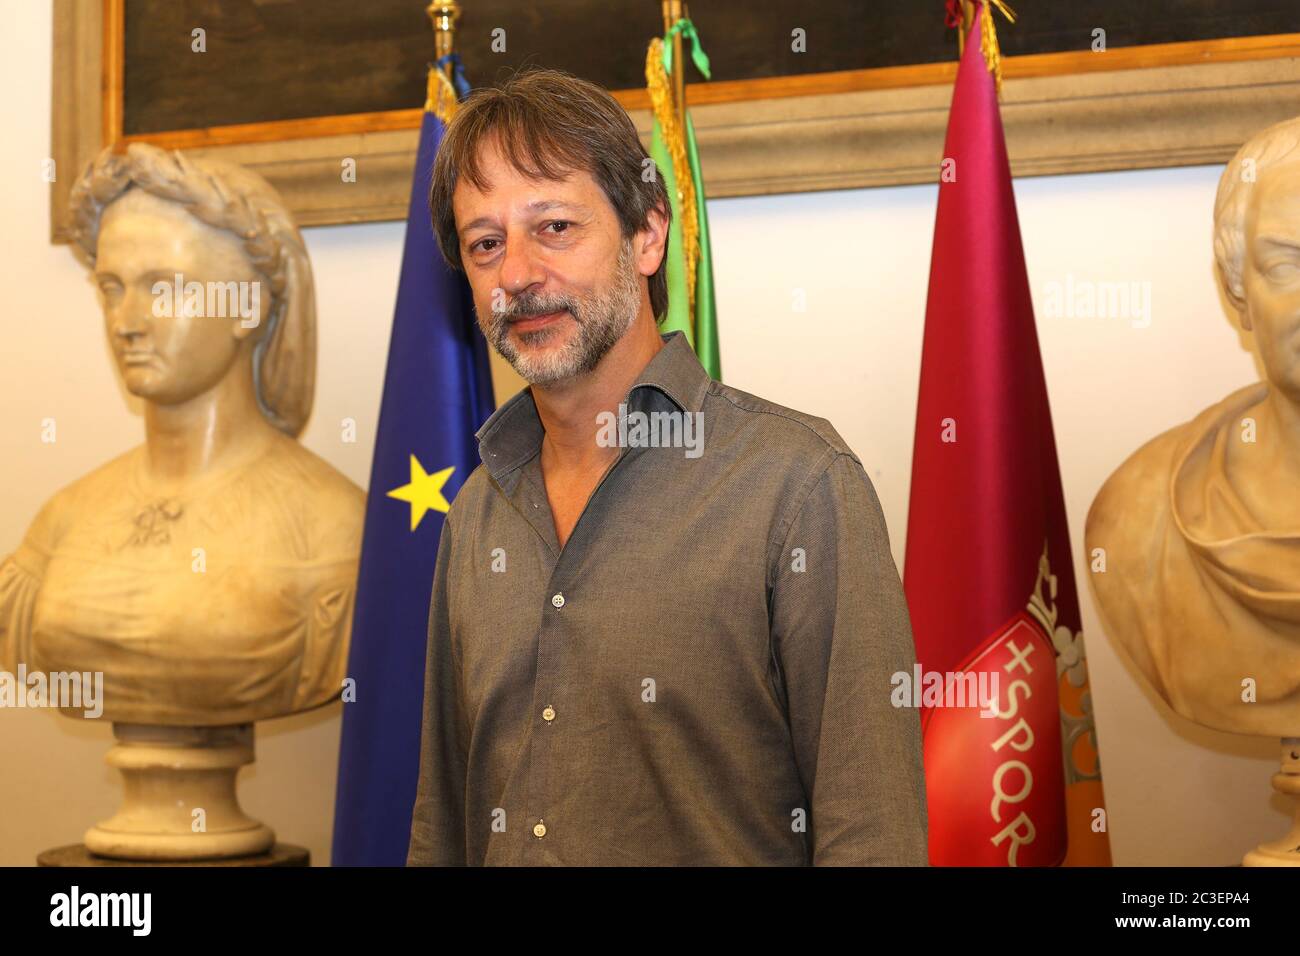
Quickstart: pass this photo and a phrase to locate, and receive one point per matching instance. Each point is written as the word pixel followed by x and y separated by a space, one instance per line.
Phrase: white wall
pixel 1177 794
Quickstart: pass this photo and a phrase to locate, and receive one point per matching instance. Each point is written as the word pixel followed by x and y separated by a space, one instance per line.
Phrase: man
pixel 665 615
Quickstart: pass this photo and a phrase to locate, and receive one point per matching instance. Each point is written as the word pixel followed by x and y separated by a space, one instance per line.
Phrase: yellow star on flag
pixel 424 491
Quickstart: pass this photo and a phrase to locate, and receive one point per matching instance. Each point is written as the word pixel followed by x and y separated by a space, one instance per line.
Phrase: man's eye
pixel 558 226
pixel 1282 270
pixel 483 245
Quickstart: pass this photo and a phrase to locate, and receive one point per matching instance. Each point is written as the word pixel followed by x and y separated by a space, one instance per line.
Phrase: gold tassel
pixel 988 35
pixel 441 96
pixel 989 40
pixel 672 129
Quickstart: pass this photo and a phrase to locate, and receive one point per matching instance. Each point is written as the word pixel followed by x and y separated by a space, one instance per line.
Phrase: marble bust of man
pixel 208 572
pixel 1201 526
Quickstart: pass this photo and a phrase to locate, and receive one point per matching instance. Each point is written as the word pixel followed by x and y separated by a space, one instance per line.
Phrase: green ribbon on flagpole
pixel 687 29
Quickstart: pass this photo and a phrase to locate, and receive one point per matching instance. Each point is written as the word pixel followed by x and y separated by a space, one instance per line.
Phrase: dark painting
pixel 271 60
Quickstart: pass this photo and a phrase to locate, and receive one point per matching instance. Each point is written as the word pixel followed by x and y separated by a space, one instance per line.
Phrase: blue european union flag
pixel 437 392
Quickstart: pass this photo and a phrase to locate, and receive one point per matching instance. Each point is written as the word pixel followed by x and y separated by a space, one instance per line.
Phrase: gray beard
pixel 602 319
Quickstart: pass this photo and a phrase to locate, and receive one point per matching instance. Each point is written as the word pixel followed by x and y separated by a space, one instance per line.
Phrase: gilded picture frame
pixel 1170 104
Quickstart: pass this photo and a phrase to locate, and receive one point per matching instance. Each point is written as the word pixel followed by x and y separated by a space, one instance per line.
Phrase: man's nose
pixel 520 269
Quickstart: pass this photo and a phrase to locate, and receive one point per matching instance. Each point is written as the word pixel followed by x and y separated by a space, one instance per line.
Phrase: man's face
pixel 555 284
pixel 1271 276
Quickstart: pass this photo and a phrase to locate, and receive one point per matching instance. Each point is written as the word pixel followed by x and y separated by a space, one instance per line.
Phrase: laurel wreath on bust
pixel 235 200
pixel 170 175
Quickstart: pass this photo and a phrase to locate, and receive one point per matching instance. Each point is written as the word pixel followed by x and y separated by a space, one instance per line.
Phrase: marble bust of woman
pixel 209 572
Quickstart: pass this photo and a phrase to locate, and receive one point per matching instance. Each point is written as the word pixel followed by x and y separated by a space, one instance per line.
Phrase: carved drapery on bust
pixel 1200 528
pixel 208 573
pixel 261 631
pixel 1197 591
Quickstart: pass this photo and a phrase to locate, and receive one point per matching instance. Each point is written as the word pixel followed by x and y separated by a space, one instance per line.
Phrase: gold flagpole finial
pixel 441 97
pixel 444 14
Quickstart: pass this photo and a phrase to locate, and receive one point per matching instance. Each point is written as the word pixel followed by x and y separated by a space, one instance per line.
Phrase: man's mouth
pixel 137 358
pixel 531 323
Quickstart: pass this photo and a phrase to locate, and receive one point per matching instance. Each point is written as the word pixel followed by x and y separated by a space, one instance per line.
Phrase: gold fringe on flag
pixel 988 34
pixel 441 96
pixel 673 131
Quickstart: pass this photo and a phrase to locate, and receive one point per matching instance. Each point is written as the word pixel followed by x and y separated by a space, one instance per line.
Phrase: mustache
pixel 528 304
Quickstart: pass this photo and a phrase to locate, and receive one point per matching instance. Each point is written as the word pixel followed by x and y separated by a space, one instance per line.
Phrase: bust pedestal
pixel 282 854
pixel 180 802
pixel 1286 851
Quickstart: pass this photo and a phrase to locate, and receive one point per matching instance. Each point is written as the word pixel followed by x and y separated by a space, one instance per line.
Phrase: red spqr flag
pixel 988 571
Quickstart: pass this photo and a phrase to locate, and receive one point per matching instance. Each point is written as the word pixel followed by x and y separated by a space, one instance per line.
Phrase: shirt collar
pixel 514 433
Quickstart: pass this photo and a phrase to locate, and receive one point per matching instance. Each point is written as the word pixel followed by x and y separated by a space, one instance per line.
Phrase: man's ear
pixel 650 242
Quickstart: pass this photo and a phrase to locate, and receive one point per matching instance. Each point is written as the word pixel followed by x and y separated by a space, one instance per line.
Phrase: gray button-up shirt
pixel 701 676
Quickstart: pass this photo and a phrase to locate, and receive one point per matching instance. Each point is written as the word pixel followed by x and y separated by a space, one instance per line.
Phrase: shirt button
pixel 548 714
pixel 539 830
pixel 557 599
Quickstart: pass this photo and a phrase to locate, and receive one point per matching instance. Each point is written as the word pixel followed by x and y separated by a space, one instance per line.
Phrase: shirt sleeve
pixel 840 630
pixel 438 817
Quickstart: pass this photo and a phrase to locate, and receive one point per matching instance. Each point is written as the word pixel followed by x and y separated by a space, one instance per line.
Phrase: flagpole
pixel 444 14
pixel 675 10
pixel 442 98
pixel 963 28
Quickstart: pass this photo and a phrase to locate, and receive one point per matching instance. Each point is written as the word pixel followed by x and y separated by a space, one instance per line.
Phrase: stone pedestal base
pixel 180 802
pixel 1286 851
pixel 282 854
